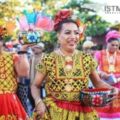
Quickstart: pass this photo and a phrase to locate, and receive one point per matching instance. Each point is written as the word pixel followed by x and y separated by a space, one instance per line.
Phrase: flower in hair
pixel 62 15
pixel 68 14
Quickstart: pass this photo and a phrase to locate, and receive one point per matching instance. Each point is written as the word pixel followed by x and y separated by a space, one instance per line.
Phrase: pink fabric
pixel 111 115
pixel 112 34
pixel 23 24
pixel 45 23
pixel 97 56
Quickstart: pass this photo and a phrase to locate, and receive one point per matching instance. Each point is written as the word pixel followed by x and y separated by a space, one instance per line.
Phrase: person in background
pixel 34 54
pixel 67 72
pixel 35 58
pixel 89 47
pixel 12 66
pixel 109 68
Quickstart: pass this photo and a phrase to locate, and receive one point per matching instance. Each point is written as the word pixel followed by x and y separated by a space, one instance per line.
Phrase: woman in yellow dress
pixel 67 72
pixel 11 67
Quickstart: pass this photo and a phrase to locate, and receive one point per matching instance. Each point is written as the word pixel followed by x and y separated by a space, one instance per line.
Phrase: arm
pixel 35 90
pixel 35 86
pixel 97 82
pixel 22 66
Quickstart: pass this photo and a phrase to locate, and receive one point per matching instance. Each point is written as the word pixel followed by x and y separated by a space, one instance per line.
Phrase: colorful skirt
pixel 112 110
pixel 11 108
pixel 67 110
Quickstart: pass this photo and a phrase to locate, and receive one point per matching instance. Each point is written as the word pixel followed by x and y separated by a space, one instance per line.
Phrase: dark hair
pixel 58 27
pixel 113 39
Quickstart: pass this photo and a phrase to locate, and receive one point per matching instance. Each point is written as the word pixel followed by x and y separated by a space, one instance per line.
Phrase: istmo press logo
pixel 112 9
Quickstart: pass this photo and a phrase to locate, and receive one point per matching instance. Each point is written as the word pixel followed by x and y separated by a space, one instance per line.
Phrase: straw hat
pixel 88 44
pixel 40 45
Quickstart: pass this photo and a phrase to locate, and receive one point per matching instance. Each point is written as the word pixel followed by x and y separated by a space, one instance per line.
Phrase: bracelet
pixel 37 101
pixel 22 52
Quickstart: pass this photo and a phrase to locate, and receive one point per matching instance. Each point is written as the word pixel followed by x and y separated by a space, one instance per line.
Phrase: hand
pixel 104 75
pixel 25 47
pixel 40 109
pixel 114 93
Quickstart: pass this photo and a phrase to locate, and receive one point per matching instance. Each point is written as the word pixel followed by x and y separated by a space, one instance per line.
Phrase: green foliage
pixel 75 3
pixel 7 38
pixel 50 40
pixel 50 36
pixel 95 26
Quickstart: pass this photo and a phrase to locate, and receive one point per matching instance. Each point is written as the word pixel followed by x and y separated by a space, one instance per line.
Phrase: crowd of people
pixel 46 86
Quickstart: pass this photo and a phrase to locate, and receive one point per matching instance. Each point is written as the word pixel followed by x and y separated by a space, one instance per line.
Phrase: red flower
pixel 61 15
pixel 3 31
pixel 97 100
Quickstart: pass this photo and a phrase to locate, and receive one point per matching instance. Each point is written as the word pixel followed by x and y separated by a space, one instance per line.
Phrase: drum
pixel 96 97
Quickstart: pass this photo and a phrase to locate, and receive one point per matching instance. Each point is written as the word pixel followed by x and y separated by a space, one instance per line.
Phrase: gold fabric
pixel 7 74
pixel 63 85
pixel 9 117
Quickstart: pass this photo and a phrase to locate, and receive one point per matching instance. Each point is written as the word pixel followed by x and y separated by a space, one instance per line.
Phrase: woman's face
pixel 68 37
pixel 113 46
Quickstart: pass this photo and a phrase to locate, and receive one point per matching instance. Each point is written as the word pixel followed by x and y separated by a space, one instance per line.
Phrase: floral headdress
pixel 60 16
pixel 68 14
pixel 112 34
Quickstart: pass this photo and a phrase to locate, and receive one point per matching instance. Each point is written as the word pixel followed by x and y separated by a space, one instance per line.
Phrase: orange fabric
pixel 105 65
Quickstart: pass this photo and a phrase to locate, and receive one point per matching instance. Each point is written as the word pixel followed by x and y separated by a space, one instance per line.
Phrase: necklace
pixel 68 66
pixel 63 54
pixel 111 61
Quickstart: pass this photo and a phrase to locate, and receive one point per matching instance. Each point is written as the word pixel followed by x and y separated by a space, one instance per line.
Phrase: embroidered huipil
pixel 10 106
pixel 63 87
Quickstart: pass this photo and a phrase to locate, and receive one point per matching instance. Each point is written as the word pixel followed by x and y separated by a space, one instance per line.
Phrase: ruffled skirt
pixel 65 110
pixel 11 108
